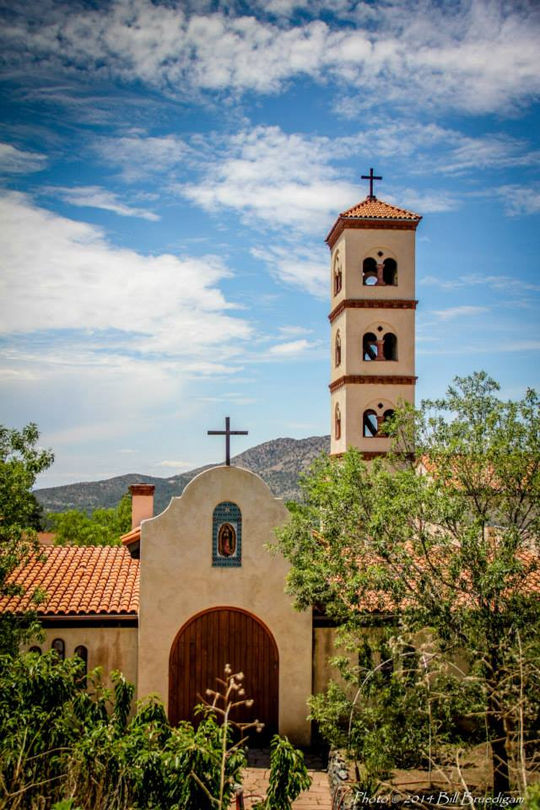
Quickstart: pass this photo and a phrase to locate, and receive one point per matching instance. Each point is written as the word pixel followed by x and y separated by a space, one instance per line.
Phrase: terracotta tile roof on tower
pixel 372 208
pixel 373 213
pixel 79 581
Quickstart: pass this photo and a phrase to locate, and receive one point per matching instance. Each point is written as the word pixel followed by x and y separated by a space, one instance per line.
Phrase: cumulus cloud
pixel 60 274
pixel 19 161
pixel 474 55
pixel 98 197
pixel 296 180
pixel 279 178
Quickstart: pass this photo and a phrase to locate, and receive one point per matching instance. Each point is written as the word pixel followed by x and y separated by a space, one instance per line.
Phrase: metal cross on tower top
pixel 371 177
pixel 227 433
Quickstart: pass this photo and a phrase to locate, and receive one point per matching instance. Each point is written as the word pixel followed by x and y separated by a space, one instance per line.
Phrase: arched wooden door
pixel 202 648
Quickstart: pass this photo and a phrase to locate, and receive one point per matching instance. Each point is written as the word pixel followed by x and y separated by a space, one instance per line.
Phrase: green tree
pixel 21 460
pixel 103 527
pixel 68 740
pixel 443 534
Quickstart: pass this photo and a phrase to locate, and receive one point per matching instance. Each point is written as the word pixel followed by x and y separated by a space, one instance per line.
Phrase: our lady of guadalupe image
pixel 226 540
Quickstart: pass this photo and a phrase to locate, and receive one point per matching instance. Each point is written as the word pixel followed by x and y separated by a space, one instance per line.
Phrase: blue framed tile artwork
pixel 227 535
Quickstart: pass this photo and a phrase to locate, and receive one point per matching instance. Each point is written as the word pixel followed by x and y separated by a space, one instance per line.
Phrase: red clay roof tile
pixel 79 581
pixel 372 208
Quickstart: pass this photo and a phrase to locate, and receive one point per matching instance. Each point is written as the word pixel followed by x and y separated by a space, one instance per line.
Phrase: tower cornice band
pixel 373 303
pixel 372 379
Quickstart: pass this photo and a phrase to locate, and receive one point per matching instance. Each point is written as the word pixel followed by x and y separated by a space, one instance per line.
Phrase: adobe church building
pixel 195 587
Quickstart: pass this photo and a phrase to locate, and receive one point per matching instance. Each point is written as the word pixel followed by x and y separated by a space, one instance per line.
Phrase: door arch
pixel 205 644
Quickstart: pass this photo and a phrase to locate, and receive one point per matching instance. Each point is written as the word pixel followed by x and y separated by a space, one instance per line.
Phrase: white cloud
pixel 427 202
pixel 519 200
pixel 303 267
pixel 98 197
pixel 292 348
pixel 278 178
pixel 479 55
pixel 294 180
pixel 176 465
pixel 138 154
pixel 437 148
pixel 459 312
pixel 18 161
pixel 60 274
pixel 479 279
pixel 293 331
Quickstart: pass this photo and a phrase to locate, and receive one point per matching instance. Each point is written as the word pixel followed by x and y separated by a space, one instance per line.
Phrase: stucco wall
pixel 178 581
pixel 354 245
pixel 108 647
pixel 353 324
pixel 353 398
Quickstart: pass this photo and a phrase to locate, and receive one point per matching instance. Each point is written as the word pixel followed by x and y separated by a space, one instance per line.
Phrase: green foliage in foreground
pixel 442 535
pixel 103 527
pixel 288 776
pixel 401 713
pixel 81 749
pixel 21 461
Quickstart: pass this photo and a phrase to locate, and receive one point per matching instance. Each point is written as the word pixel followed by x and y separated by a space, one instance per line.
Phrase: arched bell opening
pixel 390 346
pixel 369 272
pixel 369 346
pixel 390 272
pixel 371 425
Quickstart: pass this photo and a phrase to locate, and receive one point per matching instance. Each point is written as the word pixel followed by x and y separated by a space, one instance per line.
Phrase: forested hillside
pixel 279 462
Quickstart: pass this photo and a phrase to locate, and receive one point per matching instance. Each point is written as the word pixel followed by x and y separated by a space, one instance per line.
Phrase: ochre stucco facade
pixel 178 581
pixel 108 647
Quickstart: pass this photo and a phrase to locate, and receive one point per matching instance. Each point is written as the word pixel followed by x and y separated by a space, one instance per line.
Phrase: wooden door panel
pixel 205 645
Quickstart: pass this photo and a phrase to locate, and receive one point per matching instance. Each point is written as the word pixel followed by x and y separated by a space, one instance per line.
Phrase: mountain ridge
pixel 279 462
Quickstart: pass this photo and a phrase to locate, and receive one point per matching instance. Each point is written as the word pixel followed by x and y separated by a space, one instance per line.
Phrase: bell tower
pixel 372 249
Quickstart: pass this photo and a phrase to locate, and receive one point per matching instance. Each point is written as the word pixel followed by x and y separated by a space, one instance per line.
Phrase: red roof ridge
pixel 372 208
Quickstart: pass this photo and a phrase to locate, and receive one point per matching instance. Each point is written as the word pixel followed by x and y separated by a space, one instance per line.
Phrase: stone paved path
pixel 318 796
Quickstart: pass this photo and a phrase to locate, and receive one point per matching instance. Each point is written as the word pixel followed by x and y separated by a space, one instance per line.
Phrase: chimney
pixel 142 503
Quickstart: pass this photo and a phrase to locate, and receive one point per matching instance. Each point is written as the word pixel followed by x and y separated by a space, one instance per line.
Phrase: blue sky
pixel 170 171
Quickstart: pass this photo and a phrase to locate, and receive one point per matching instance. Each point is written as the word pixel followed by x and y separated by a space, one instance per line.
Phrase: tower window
pixel 369 346
pixel 371 424
pixel 338 274
pixel 338 349
pixel 35 650
pixel 337 423
pixel 59 647
pixel 390 272
pixel 369 272
pixel 390 346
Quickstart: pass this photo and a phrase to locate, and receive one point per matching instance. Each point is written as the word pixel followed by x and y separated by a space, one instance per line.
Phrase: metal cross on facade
pixel 371 177
pixel 227 433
